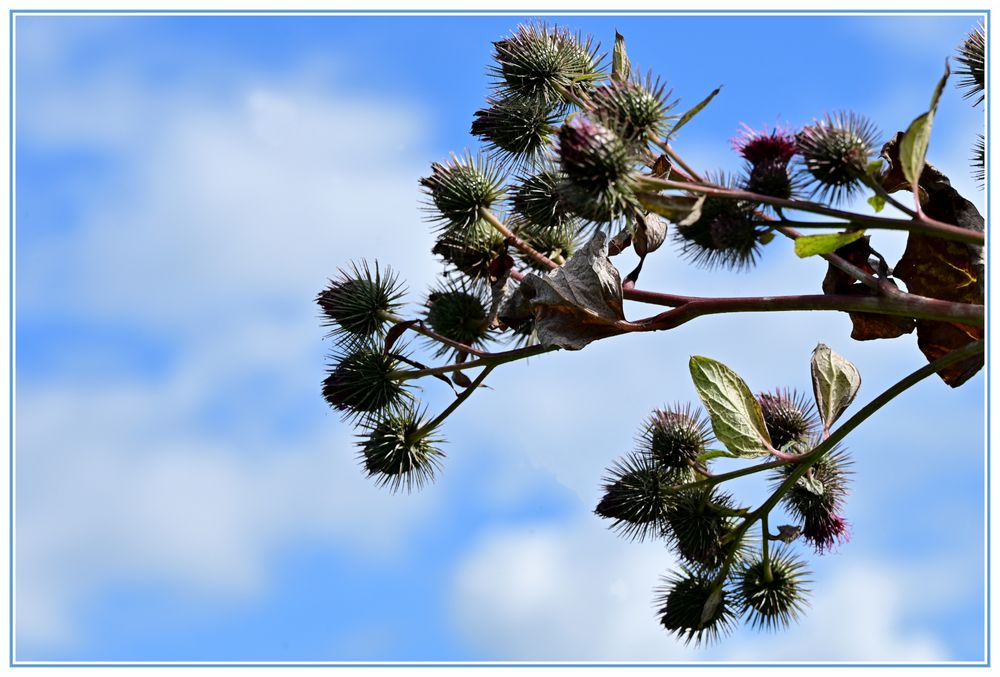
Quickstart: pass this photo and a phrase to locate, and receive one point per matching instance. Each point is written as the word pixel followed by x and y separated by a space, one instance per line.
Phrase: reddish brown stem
pixel 905 305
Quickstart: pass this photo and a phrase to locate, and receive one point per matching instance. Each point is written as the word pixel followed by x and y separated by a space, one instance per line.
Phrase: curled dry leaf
pixel 941 269
pixel 572 305
pixel 867 326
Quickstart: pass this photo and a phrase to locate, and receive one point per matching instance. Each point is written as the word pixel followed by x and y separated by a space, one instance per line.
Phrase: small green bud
pixel 536 201
pixel 772 595
pixel 514 129
pixel 474 252
pixel 726 233
pixel 635 111
pixel 539 64
pixel 557 244
pixel 458 312
pixel 835 154
pixel 693 609
pixel 359 382
pixel 972 68
pixel 637 494
pixel 459 189
pixel 789 416
pixel 398 453
pixel 352 303
pixel 697 523
pixel 675 437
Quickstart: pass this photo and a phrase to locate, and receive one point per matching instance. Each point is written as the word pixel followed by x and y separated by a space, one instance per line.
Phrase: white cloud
pixel 562 593
pixel 110 491
pixel 236 213
pixel 578 593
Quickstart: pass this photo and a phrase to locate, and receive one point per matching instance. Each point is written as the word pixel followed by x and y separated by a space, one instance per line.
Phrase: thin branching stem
pixel 418 327
pixel 904 305
pixel 520 244
pixel 492 359
pixel 924 225
pixel 457 402
pixel 807 460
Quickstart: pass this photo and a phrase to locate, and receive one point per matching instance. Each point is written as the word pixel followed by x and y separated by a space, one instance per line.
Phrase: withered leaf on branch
pixel 650 233
pixel 572 305
pixel 867 326
pixel 941 269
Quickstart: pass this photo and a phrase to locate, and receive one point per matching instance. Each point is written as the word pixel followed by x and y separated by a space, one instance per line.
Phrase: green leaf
pixel 716 453
pixel 621 67
pixel 686 118
pixel 877 202
pixel 875 167
pixel 913 147
pixel 736 416
pixel 827 243
pixel 811 484
pixel 765 238
pixel 835 383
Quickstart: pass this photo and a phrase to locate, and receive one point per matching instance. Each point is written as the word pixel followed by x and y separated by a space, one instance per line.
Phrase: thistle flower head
pixel 397 452
pixel 979 160
pixel 353 302
pixel 474 253
pixel 359 383
pixel 635 110
pixel 459 312
pixel 692 609
pixel 459 189
pixel 790 417
pixel 972 57
pixel 557 244
pixel 636 495
pixel 826 530
pixel 725 235
pixel 772 595
pixel 536 201
pixel 540 64
pixel 835 153
pixel 774 180
pixel 597 165
pixel 515 130
pixel 763 147
pixel 818 499
pixel 591 153
pixel 696 522
pixel 675 437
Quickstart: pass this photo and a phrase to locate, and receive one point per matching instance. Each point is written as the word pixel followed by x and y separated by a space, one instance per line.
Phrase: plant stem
pixel 457 401
pixel 520 244
pixel 719 479
pixel 924 225
pixel 491 359
pixel 675 159
pixel 903 305
pixel 834 260
pixel 768 576
pixel 808 459
pixel 884 194
pixel 419 328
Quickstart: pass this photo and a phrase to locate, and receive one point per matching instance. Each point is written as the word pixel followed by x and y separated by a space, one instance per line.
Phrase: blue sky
pixel 185 186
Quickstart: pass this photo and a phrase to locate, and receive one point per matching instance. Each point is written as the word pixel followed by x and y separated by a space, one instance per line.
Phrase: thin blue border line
pixel 989 246
pixel 503 665
pixel 499 12
pixel 10 338
pixel 14 12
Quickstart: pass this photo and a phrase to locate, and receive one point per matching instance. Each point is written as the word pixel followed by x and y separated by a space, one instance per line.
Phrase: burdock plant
pixel 584 157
